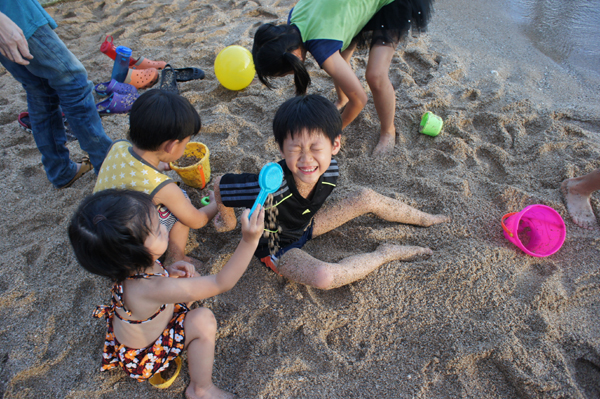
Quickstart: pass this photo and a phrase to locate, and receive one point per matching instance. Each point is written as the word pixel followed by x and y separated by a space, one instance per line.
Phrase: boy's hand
pixel 181 269
pixel 163 166
pixel 252 229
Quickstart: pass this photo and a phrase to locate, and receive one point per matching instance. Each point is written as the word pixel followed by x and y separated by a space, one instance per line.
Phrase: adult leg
pixel 46 120
pixel 302 268
pixel 366 200
pixel 68 78
pixel 200 334
pixel 384 97
pixel 346 55
pixel 577 192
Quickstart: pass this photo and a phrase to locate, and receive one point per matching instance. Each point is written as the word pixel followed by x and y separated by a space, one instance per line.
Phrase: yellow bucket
pixel 198 174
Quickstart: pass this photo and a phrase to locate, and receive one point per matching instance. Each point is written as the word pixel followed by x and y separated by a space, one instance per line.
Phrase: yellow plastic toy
pixel 157 380
pixel 234 67
pixel 198 174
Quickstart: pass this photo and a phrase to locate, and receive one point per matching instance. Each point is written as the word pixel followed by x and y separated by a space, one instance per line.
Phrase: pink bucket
pixel 538 230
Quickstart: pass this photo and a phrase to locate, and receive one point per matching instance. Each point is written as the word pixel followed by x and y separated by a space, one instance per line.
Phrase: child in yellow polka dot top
pixel 160 126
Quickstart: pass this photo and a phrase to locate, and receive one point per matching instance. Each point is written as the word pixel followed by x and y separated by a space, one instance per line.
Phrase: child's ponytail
pixel 301 76
pixel 272 57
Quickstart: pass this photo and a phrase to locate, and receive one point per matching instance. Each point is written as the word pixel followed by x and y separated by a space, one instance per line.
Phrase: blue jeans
pixel 56 82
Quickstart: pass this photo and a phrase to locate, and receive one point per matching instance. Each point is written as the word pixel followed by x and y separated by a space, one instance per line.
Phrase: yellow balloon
pixel 234 67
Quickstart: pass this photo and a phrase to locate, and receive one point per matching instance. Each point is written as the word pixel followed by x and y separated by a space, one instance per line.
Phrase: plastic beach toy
pixel 431 124
pixel 234 67
pixel 538 230
pixel 205 201
pixel 269 180
pixel 198 174
pixel 157 380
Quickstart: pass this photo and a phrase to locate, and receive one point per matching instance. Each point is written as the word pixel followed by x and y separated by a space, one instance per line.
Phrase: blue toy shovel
pixel 269 179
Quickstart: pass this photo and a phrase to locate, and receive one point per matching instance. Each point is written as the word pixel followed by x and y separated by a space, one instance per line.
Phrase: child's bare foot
pixel 430 220
pixel 402 252
pixel 385 146
pixel 213 393
pixel 578 205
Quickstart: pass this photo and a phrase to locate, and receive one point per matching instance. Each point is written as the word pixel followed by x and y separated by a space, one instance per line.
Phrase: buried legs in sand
pixel 577 192
pixel 300 267
pixel 200 334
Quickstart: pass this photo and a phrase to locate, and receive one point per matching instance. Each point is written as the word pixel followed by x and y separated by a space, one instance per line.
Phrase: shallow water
pixel 568 31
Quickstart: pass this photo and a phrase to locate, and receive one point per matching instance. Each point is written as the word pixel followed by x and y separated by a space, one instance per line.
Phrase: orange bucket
pixel 198 174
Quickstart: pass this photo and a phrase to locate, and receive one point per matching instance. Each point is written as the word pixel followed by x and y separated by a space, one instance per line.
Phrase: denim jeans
pixel 56 82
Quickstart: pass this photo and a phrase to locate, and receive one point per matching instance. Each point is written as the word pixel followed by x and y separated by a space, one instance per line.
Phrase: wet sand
pixel 479 318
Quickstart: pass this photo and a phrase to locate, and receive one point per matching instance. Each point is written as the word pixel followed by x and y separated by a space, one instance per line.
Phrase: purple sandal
pixel 108 88
pixel 116 104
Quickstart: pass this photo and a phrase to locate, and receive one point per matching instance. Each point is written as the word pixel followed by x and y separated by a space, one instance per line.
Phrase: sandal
pixel 85 167
pixel 185 74
pixel 141 78
pixel 105 89
pixel 117 104
pixel 25 124
pixel 109 49
pixel 145 63
pixel 168 80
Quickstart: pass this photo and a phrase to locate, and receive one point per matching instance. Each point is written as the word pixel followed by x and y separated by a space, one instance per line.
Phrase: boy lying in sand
pixel 308 131
pixel 161 124
pixel 577 192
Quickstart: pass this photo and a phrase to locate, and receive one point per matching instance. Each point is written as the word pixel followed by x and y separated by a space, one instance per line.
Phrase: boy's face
pixel 308 155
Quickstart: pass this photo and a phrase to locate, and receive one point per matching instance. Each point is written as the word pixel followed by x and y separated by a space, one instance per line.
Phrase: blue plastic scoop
pixel 269 180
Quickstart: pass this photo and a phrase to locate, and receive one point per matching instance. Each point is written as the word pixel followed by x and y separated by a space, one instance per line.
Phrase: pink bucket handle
pixel 504 226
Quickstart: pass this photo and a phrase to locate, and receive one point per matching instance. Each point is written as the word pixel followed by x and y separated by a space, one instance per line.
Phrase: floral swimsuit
pixel 141 364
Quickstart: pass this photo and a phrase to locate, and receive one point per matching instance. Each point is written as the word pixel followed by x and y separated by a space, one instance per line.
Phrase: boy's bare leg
pixel 384 97
pixel 368 201
pixel 225 219
pixel 577 192
pixel 342 99
pixel 178 237
pixel 302 268
pixel 200 334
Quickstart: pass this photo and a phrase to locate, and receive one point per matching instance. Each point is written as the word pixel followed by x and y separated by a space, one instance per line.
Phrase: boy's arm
pixel 172 197
pixel 175 290
pixel 225 221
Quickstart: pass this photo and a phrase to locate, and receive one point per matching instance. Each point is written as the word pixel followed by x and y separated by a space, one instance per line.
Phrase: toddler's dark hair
pixel 272 57
pixel 108 232
pixel 158 116
pixel 311 112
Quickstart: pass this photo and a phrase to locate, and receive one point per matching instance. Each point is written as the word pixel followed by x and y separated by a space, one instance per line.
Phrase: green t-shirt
pixel 334 19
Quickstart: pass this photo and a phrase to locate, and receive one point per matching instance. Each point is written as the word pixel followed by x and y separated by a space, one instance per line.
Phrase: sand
pixel 477 319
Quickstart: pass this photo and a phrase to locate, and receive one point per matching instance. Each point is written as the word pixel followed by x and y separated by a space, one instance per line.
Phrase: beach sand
pixel 477 319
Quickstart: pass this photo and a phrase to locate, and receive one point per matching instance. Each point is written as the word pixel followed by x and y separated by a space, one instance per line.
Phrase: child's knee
pixel 322 278
pixel 203 321
pixel 376 79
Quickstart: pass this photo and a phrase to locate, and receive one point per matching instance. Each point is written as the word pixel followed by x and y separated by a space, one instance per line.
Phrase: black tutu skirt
pixel 393 22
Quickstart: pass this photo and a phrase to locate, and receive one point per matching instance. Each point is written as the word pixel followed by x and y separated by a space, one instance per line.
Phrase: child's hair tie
pixel 98 218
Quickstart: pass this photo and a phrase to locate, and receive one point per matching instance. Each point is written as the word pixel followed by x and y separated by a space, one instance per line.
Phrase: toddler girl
pixel 117 234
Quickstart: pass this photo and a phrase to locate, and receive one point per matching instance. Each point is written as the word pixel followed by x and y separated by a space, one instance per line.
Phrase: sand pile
pixel 477 319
